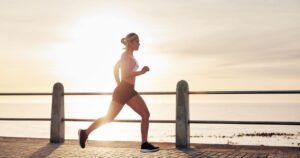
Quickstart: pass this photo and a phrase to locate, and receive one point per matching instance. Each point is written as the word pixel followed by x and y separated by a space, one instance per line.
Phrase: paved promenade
pixel 39 148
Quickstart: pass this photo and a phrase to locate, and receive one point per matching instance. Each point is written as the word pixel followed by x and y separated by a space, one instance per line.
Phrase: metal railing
pixel 182 110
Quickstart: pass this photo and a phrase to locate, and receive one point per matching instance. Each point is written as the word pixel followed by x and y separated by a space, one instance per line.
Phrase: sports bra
pixel 129 62
pixel 136 66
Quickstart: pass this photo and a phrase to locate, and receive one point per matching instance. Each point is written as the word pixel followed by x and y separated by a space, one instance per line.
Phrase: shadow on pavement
pixel 190 152
pixel 45 151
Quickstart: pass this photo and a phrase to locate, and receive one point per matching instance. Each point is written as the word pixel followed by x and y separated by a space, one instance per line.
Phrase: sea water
pixel 161 108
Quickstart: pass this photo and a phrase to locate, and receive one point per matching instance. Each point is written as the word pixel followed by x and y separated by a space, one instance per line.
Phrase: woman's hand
pixel 145 69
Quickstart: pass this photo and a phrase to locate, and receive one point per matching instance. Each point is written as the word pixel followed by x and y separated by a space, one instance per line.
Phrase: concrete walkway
pixel 39 148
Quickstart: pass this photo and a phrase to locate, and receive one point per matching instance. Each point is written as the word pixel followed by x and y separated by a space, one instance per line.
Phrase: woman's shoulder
pixel 126 56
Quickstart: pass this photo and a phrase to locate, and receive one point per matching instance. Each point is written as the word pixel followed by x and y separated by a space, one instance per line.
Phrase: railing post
pixel 57 133
pixel 182 115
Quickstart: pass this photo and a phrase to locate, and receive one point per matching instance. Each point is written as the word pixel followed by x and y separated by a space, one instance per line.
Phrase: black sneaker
pixel 82 137
pixel 147 147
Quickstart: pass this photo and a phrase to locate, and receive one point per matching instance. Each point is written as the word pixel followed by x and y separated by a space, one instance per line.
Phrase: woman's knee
pixel 146 115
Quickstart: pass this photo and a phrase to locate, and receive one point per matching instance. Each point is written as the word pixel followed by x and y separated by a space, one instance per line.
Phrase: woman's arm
pixel 116 72
pixel 128 64
pixel 137 73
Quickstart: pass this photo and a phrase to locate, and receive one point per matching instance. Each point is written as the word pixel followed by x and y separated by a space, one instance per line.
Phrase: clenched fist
pixel 145 69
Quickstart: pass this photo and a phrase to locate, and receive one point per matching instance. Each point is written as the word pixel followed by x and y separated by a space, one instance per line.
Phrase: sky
pixel 212 44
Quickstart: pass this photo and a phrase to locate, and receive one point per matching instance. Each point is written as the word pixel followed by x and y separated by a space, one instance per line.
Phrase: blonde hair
pixel 129 38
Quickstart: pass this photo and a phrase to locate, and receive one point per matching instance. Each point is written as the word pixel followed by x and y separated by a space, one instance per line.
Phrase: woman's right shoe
pixel 147 147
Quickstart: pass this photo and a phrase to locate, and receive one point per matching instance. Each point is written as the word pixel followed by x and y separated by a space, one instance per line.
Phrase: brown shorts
pixel 124 92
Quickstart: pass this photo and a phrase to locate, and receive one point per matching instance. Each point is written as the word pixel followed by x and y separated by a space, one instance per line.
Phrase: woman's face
pixel 135 44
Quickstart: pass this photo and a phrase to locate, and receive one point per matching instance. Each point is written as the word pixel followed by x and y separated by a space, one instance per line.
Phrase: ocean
pixel 233 108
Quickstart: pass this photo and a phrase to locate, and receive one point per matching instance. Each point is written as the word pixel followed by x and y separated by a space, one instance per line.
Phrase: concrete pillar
pixel 57 133
pixel 182 115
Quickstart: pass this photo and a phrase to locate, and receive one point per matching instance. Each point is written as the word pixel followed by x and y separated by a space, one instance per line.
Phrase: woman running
pixel 125 93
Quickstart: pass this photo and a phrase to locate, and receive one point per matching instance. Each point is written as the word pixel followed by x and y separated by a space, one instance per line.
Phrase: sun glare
pixel 85 59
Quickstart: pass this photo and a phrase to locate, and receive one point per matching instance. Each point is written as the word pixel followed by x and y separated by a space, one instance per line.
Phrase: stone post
pixel 182 115
pixel 57 133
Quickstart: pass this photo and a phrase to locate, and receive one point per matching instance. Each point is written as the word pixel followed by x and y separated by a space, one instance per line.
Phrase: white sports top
pixel 129 63
pixel 136 65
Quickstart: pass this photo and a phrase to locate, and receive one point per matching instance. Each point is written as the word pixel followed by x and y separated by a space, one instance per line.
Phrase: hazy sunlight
pixel 85 60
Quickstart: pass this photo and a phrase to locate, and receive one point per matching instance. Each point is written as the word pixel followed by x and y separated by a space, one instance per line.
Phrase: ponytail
pixel 123 41
pixel 130 37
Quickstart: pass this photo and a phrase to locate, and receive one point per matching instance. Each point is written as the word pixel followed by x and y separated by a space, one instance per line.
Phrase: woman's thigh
pixel 138 104
pixel 113 110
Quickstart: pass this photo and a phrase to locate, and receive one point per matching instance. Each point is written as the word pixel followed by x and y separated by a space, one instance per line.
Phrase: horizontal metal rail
pixel 84 120
pixel 167 93
pixel 248 92
pixel 110 93
pixel 200 122
pixel 86 93
pixel 122 121
pixel 18 94
pixel 25 119
pixel 162 121
pixel 244 122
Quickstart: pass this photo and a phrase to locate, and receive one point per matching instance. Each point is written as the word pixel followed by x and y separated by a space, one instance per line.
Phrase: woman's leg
pixel 138 105
pixel 112 112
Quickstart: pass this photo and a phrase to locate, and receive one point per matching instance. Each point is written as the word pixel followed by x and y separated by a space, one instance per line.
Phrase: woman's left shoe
pixel 147 147
pixel 82 137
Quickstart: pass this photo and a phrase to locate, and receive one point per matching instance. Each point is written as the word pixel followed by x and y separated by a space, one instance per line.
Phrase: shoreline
pixel 135 144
